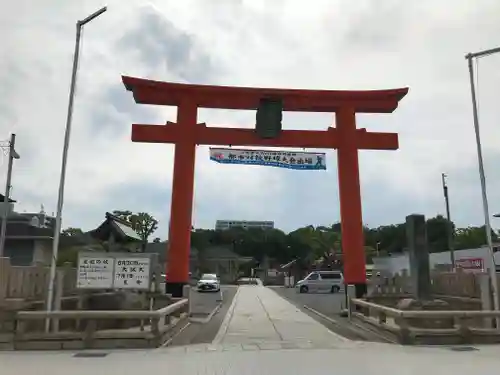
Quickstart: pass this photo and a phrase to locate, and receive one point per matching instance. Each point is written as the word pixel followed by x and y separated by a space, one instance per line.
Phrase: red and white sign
pixel 470 264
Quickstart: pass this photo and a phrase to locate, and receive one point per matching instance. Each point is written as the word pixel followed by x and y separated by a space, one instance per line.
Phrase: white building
pixel 398 262
pixel 228 224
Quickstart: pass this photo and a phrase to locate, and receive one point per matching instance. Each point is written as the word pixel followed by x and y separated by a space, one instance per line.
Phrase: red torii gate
pixel 186 134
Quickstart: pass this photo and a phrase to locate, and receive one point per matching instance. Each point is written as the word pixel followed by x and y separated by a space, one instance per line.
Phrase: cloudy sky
pixel 320 44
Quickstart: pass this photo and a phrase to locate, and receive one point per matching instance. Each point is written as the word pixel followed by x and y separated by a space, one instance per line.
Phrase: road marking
pixel 209 317
pixel 167 343
pixel 227 319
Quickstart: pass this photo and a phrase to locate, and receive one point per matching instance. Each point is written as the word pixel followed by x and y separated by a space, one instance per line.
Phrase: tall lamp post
pixel 12 155
pixel 492 268
pixel 60 198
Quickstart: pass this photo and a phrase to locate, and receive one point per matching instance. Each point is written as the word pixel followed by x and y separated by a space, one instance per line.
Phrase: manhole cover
pixel 90 355
pixel 463 349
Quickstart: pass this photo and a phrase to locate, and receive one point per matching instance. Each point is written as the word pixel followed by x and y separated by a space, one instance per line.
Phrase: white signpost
pixel 95 272
pixel 132 273
pixel 114 271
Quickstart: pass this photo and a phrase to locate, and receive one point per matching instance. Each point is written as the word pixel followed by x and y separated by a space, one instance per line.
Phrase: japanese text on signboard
pixel 95 272
pixel 113 271
pixel 130 273
pixel 471 264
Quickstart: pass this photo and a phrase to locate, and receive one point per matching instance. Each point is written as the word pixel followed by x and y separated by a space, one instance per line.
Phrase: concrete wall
pixel 28 252
pixel 42 251
pixel 19 251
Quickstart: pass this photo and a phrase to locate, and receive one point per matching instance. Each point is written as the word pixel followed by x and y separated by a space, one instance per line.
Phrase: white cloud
pixel 331 45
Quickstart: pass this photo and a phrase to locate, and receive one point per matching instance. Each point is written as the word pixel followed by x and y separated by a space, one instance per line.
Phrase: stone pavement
pixel 246 349
pixel 259 316
pixel 365 358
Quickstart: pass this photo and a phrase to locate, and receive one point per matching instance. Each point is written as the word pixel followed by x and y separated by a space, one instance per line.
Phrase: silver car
pixel 321 281
pixel 209 282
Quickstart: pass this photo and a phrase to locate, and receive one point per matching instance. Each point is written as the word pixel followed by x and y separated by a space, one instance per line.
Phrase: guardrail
pixel 153 324
pixel 401 323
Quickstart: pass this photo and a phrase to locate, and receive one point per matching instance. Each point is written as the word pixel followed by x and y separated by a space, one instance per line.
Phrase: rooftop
pixel 147 91
pixel 121 229
pixel 2 197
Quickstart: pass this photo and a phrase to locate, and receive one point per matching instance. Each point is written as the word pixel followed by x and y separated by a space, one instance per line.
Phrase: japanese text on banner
pixel 282 159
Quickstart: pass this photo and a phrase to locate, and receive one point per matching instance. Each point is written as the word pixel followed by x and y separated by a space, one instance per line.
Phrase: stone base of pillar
pixel 175 289
pixel 360 290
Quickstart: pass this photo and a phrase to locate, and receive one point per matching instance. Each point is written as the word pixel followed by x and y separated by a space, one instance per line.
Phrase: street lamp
pixel 12 155
pixel 60 198
pixel 492 268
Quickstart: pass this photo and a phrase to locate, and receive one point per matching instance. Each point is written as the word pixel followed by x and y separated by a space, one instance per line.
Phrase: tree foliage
pixel 71 232
pixel 324 243
pixel 143 223
pixel 310 244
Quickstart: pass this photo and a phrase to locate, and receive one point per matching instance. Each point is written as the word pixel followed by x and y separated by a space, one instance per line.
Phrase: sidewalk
pixel 258 316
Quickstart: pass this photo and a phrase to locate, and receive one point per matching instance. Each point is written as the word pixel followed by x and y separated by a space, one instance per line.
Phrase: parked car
pixel 321 281
pixel 209 282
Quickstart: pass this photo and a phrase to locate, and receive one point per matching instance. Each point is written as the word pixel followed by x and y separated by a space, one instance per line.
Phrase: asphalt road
pixel 329 304
pixel 197 333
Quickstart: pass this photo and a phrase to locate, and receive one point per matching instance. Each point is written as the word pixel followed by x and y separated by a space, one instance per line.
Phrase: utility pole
pixel 482 177
pixel 5 213
pixel 449 224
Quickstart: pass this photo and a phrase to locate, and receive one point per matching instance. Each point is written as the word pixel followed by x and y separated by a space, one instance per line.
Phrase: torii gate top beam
pixel 171 94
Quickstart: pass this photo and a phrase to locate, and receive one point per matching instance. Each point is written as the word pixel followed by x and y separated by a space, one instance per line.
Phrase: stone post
pixel 486 300
pixel 416 235
pixel 420 276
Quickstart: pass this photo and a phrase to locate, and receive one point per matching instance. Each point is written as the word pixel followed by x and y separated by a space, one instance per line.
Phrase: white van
pixel 321 281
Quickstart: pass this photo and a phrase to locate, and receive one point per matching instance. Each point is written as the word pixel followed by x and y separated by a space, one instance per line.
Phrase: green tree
pixel 323 244
pixel 437 233
pixel 472 237
pixel 142 223
pixel 391 239
pixel 71 232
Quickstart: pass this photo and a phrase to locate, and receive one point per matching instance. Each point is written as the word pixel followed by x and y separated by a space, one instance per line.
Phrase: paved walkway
pixel 259 316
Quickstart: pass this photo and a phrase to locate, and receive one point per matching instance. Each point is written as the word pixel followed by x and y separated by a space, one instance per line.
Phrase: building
pixel 398 262
pixel 28 237
pixel 228 224
pixel 117 235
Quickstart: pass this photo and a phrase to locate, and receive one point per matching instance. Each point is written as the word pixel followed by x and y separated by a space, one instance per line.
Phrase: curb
pixel 171 338
pixel 208 318
pixel 333 321
pixel 336 323
pixel 385 339
pixel 227 319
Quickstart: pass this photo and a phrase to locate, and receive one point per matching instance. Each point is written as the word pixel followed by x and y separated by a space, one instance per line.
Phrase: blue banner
pixel 270 158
